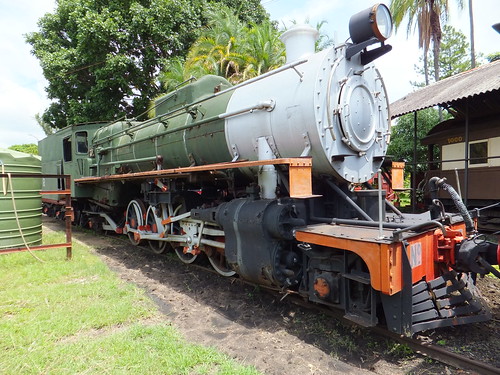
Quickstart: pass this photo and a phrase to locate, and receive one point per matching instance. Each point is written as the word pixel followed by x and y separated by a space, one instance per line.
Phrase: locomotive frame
pixel 263 178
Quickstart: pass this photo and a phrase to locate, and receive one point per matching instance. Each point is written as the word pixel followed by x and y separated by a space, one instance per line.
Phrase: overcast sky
pixel 22 93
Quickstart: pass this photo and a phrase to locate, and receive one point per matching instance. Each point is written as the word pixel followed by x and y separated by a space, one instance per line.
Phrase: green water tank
pixel 20 197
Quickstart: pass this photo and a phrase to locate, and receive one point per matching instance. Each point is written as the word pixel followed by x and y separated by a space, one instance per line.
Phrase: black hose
pixel 440 183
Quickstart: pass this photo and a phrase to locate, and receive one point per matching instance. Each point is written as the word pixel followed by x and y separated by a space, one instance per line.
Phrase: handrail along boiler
pixel 268 179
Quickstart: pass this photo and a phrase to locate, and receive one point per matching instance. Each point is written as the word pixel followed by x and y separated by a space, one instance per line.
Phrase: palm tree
pixel 472 44
pixel 264 45
pixel 229 48
pixel 218 49
pixel 427 16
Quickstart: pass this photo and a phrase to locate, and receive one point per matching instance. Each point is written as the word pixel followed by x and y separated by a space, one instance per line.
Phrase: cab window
pixel 67 149
pixel 81 143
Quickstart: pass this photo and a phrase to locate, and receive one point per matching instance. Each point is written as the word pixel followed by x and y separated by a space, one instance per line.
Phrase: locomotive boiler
pixel 269 180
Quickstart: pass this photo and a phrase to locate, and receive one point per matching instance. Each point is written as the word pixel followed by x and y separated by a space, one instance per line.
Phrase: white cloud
pixel 312 10
pixel 18 106
pixel 22 84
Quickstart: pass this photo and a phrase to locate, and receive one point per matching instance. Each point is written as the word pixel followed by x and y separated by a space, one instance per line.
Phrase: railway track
pixel 429 350
pixel 421 347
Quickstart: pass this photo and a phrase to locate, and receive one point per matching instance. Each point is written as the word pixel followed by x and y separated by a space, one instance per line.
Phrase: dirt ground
pixel 260 328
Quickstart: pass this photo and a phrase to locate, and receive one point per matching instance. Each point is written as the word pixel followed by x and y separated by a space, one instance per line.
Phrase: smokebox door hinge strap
pixel 307 145
pixel 236 154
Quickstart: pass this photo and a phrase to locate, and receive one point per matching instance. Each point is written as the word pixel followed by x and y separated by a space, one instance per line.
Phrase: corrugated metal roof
pixel 483 79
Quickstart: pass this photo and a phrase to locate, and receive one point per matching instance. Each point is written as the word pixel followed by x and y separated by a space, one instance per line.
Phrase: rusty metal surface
pixel 300 173
pixel 35 248
pixel 357 233
pixel 305 162
pixel 483 79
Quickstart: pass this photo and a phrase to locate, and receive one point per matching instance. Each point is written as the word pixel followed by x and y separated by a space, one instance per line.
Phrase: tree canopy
pixel 493 56
pixel 453 55
pixel 402 137
pixel 230 48
pixel 427 15
pixel 102 58
pixel 453 59
pixel 28 148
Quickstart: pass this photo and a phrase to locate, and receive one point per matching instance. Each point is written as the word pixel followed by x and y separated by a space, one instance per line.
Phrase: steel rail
pixel 432 351
pixel 435 352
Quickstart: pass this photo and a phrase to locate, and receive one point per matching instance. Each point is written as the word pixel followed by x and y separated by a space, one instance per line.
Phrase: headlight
pixel 369 23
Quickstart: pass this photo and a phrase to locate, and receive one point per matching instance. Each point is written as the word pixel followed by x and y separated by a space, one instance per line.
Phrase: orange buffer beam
pixel 300 173
pixel 383 256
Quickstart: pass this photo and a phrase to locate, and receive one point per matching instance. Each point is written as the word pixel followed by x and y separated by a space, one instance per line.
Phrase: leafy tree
pixel 472 41
pixel 45 127
pixel 493 56
pixel 453 55
pixel 102 58
pixel 249 11
pixel 426 15
pixel 218 49
pixel 29 148
pixel 230 48
pixel 266 48
pixel 402 137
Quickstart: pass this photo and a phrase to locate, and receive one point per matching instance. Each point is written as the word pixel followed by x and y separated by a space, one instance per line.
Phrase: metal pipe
pixel 414 174
pixel 156 135
pixel 258 106
pixel 220 245
pixel 268 105
pixel 126 161
pixel 399 228
pixel 349 200
pixel 458 183
pixel 4 181
pixel 387 201
pixel 420 226
pixel 466 167
pixel 258 78
pixel 380 215
pixel 182 109
pixel 362 223
pixel 328 94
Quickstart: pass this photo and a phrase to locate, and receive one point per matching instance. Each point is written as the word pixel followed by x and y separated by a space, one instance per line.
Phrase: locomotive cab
pixel 66 152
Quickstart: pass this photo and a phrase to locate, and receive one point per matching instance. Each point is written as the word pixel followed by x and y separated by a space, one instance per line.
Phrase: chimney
pixel 299 41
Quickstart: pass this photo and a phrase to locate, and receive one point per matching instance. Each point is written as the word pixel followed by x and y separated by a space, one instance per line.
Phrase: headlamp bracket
pixel 367 56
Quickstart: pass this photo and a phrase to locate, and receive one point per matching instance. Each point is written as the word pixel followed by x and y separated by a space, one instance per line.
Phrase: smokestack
pixel 299 41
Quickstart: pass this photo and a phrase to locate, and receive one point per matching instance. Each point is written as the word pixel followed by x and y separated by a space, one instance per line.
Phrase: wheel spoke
pixel 219 263
pixel 135 219
pixel 155 226
pixel 185 257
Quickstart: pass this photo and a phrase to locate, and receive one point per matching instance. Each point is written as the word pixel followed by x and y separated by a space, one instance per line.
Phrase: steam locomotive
pixel 269 179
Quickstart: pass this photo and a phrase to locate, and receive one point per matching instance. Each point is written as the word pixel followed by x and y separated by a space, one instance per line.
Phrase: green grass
pixel 70 317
